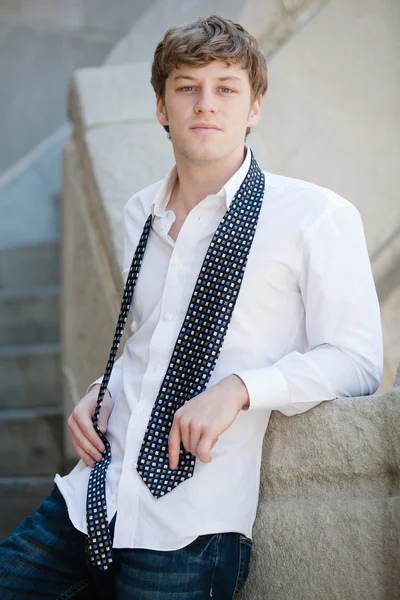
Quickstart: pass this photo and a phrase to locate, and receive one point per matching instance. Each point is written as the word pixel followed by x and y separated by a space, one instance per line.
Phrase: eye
pixel 228 90
pixel 186 87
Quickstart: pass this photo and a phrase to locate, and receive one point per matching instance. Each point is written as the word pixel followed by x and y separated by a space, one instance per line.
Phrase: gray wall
pixel 41 43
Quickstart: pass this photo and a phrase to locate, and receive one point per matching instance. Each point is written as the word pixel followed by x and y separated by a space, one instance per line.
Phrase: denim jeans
pixel 45 558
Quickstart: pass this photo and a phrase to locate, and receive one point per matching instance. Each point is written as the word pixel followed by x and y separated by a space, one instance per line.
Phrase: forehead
pixel 217 69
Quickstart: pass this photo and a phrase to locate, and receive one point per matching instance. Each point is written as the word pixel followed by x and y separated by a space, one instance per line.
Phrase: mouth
pixel 205 128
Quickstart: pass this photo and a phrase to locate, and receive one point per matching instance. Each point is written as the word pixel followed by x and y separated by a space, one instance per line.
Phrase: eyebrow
pixel 225 78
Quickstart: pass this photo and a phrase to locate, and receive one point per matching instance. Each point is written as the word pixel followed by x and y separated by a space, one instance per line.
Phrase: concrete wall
pixel 328 521
pixel 331 114
pixel 41 43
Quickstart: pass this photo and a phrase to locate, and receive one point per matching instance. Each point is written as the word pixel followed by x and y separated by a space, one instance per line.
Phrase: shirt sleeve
pixel 342 322
pixel 115 383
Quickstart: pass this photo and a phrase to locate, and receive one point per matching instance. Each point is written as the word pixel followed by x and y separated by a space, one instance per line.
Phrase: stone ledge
pixel 328 518
pixel 93 101
pixel 344 446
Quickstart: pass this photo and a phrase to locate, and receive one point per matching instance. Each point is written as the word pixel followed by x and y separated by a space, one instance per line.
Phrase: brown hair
pixel 204 40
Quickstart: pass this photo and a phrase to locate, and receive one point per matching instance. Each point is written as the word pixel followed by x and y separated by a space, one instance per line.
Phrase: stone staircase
pixel 31 418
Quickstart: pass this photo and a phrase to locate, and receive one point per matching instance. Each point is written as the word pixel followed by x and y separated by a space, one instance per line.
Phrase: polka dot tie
pixel 98 541
pixel 192 362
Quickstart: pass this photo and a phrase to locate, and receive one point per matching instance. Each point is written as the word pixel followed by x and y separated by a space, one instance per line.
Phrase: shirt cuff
pixel 98 381
pixel 267 388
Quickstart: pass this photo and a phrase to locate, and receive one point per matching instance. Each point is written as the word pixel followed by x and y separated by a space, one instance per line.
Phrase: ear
pixel 255 112
pixel 161 111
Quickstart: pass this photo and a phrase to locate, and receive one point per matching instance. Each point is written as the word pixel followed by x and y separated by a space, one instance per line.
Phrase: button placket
pixel 202 333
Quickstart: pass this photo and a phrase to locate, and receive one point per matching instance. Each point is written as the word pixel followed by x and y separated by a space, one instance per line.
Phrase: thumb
pixel 105 411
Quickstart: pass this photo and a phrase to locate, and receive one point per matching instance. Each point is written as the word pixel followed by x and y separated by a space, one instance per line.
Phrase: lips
pixel 202 126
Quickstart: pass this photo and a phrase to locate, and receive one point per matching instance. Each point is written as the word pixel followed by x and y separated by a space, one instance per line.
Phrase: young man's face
pixel 208 110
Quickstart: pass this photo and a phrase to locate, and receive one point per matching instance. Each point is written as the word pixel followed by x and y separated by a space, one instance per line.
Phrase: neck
pixel 196 181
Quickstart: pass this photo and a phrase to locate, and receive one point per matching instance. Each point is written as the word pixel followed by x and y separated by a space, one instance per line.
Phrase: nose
pixel 205 103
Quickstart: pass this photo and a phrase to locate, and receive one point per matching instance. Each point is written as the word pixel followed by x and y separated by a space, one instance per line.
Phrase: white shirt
pixel 306 328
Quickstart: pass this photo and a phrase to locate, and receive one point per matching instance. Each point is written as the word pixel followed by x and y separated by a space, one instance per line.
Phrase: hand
pixel 201 420
pixel 80 424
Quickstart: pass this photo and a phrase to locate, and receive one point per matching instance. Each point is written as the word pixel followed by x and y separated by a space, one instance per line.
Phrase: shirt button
pixel 167 316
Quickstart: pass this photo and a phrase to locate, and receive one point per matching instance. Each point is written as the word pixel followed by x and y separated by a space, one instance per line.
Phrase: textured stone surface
pixel 293 5
pixel 270 21
pixel 331 112
pixel 260 17
pixel 139 44
pixel 41 43
pixel 328 520
pixel 130 97
pixel 391 334
pixel 113 16
pixel 29 196
pixel 34 83
pixel 22 266
pixel 56 12
pixel 30 376
pixel 34 440
pixel 397 377
pixel 95 15
pixel 30 316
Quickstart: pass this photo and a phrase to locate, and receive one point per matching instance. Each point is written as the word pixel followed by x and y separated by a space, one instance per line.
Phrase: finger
pixel 195 435
pixel 214 442
pixel 105 411
pixel 82 442
pixel 84 427
pixel 185 433
pixel 88 460
pixel 207 442
pixel 174 444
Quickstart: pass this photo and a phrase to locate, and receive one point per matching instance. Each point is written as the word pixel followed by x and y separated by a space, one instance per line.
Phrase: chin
pixel 203 152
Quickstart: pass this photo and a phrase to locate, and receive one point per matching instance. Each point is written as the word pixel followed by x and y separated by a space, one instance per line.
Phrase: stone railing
pixel 328 521
pixel 329 511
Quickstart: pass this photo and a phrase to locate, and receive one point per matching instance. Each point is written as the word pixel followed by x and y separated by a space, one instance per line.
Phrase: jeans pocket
pixel 245 548
pixel 203 545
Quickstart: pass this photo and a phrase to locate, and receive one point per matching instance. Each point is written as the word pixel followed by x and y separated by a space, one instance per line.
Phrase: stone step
pixel 19 498
pixel 30 376
pixel 30 193
pixel 24 266
pixel 30 316
pixel 31 442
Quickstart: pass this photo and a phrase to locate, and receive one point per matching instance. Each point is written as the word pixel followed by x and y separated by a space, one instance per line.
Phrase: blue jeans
pixel 44 558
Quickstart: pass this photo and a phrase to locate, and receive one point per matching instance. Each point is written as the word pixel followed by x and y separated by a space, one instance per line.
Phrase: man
pixel 254 293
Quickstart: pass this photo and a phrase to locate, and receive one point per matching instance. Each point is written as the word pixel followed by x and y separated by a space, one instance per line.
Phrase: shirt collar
pixel 233 184
pixel 227 191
